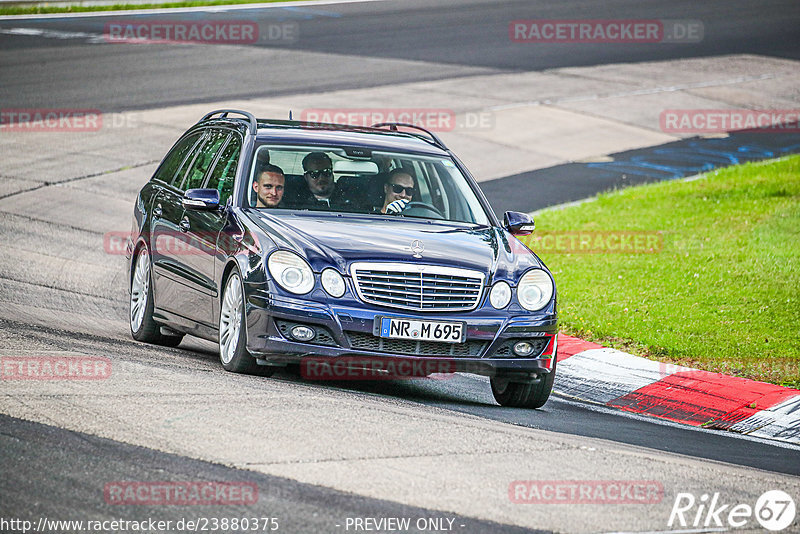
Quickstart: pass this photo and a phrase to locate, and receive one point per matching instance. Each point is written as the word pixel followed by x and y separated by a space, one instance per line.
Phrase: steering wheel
pixel 422 209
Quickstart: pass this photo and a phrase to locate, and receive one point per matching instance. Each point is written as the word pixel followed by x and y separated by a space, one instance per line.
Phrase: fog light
pixel 523 348
pixel 303 333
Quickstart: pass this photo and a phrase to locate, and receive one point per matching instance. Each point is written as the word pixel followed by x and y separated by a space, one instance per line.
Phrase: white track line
pixel 200 9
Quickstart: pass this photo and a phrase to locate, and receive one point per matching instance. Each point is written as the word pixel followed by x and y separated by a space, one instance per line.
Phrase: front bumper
pixel 345 332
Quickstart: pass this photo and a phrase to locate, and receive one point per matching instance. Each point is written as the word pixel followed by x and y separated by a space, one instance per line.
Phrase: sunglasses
pixel 316 175
pixel 397 189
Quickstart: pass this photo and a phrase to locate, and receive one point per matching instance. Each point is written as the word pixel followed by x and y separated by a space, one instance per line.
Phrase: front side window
pixel 168 171
pixel 370 182
pixel 224 174
pixel 203 159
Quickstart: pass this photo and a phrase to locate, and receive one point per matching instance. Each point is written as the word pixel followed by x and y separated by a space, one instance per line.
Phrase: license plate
pixel 400 328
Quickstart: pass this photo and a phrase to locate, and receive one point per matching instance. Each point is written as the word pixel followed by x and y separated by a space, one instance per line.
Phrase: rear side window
pixel 202 161
pixel 224 173
pixel 172 163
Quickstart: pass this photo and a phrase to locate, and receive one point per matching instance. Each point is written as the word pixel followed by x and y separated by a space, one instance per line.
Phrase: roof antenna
pixel 290 114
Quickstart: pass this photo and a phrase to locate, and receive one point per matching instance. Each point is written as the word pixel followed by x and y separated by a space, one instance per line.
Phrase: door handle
pixel 185 225
pixel 158 212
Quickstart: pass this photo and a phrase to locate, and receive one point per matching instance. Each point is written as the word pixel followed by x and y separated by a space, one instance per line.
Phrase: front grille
pixel 506 349
pixel 362 341
pixel 418 288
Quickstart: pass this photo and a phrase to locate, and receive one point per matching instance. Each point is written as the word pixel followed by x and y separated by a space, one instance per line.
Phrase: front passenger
pixel 269 186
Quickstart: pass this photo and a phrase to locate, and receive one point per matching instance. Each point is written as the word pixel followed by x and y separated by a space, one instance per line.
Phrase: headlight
pixel 500 295
pixel 333 282
pixel 291 272
pixel 535 289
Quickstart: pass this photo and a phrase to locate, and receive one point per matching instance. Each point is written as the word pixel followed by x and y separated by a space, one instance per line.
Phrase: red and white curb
pixel 591 372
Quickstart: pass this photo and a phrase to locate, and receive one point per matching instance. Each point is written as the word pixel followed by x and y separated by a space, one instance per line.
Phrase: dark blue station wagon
pixel 290 242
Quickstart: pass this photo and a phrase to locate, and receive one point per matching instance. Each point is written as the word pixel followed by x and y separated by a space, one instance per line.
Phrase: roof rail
pixel 433 138
pixel 253 128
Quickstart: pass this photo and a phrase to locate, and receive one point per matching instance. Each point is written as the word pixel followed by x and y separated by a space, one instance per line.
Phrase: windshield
pixel 360 180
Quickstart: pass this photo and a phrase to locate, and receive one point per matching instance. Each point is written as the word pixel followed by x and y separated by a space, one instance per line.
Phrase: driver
pixel 398 191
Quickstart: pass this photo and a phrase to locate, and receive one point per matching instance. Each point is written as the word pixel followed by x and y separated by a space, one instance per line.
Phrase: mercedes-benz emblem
pixel 416 248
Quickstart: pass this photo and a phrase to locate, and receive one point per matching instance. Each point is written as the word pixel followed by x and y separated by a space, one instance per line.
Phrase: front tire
pixel 521 395
pixel 143 327
pixel 233 332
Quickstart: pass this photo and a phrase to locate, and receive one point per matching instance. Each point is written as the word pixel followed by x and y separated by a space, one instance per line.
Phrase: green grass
pixel 722 294
pixel 44 9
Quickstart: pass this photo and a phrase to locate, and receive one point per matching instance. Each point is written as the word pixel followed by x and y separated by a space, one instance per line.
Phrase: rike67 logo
pixel 774 510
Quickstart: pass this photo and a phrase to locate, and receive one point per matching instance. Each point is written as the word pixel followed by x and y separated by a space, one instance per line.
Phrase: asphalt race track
pixel 452 38
pixel 320 453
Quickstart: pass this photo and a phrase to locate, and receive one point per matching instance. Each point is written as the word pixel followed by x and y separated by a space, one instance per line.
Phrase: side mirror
pixel 201 199
pixel 518 223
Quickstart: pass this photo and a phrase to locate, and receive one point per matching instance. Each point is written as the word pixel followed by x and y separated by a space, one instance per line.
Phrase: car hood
pixel 335 239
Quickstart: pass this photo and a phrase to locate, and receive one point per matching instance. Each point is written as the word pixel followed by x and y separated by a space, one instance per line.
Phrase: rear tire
pixel 143 327
pixel 521 395
pixel 233 332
